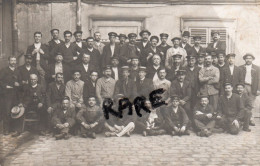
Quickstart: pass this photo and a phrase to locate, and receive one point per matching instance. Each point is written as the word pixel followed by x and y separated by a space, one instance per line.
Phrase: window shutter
pixel 199 32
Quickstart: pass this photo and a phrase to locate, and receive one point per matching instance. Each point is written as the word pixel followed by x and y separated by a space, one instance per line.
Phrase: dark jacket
pixel 24 74
pixel 52 44
pixel 208 110
pixel 126 52
pixel 60 118
pixel 95 58
pixel 151 71
pixel 128 90
pixel 173 119
pixel 85 74
pixel 171 73
pixel 193 78
pixel 183 92
pixel 54 95
pixel 33 95
pixel 141 46
pixel 145 88
pixel 194 51
pixel 107 54
pixel 220 47
pixel 8 77
pixel 247 102
pixel 145 54
pixel 89 90
pixel 43 57
pixel 187 48
pixel 51 72
pixel 90 116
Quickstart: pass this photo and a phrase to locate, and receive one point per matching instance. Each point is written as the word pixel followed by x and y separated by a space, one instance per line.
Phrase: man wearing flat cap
pixel 144 43
pixel 97 44
pixel 129 50
pixel 230 73
pixel 217 45
pixel 176 49
pixel 184 42
pixel 105 85
pixel 176 119
pixel 176 65
pixel 164 46
pixel 110 50
pixel 144 85
pixel 250 76
pixel 182 88
pixel 197 48
pixel 122 39
pixel 125 85
pixel 147 54
pixel 79 41
pixel 201 60
pixel 134 68
pixel 53 43
pixel 95 56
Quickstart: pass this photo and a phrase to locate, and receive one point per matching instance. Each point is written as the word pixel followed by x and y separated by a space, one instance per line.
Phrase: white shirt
pixel 28 68
pixel 175 109
pixel 215 44
pixel 183 45
pixel 67 45
pixel 231 68
pixel 144 44
pixel 58 68
pixel 155 77
pixel 64 111
pixel 248 78
pixel 181 83
pixel 112 47
pixel 90 49
pixel 115 70
pixel 57 41
pixel 197 49
pixel 12 68
pixel 85 67
pixel 37 46
pixel 34 86
pixel 79 44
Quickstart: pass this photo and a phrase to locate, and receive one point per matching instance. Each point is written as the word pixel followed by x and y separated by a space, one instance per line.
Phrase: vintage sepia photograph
pixel 129 82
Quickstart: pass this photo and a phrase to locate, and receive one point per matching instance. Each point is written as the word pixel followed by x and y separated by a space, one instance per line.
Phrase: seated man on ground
pixel 63 119
pixel 203 117
pixel 91 119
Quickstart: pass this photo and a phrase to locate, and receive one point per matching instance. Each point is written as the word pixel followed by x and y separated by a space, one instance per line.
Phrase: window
pixel 204 26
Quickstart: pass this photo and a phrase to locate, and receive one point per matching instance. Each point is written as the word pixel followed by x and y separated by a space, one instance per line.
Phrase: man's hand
pixel 176 129
pixel 198 113
pixel 183 128
pixel 78 105
pixel 93 125
pixel 60 126
pixel 128 61
pixel 20 105
pixel 209 115
pixel 218 117
pixel 182 102
pixel 53 76
pixel 40 105
pixel 16 84
pixel 8 87
pixel 66 124
pixel 41 51
pixel 149 56
pixel 24 82
pixel 34 51
pixel 235 122
pixel 75 58
pixel 50 110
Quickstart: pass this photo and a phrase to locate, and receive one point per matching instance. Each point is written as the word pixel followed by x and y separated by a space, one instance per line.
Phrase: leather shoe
pixel 60 136
pixel 93 135
pixel 247 130
pixel 252 123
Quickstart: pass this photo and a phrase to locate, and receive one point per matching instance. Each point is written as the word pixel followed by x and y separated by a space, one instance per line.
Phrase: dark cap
pixel 122 35
pixel 202 54
pixel 213 54
pixel 231 55
pixel 54 30
pixel 213 32
pixel 196 37
pixel 134 57
pixel 75 70
pixel 154 37
pixel 242 84
pixel 67 32
pixel 66 98
pixel 88 38
pixel 176 38
pixel 28 56
pixel 142 68
pixel 186 33
pixel 132 35
pixel 175 97
pixel 107 67
pixel 248 54
pixel 143 31
pixel 58 53
pixel 112 34
pixel 191 57
pixel 180 72
pixel 115 57
pixel 76 32
pixel 201 95
pixel 227 83
pixel 176 56
pixel 125 68
pixel 164 35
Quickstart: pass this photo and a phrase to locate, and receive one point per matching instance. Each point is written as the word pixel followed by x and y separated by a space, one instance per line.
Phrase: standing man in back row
pixel 98 44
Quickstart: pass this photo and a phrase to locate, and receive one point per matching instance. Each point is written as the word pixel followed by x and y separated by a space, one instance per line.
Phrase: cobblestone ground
pixel 219 149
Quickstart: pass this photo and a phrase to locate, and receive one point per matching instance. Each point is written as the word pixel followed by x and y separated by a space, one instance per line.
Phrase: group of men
pixel 65 84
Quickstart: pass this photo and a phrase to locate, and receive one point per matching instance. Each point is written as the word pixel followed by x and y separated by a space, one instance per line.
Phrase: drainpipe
pixel 78 16
pixel 14 29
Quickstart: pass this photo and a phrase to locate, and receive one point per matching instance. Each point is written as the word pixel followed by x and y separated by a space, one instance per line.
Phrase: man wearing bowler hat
pixel 164 46
pixel 217 45
pixel 54 42
pixel 176 65
pixel 250 76
pixel 176 49
pixel 110 50
pixel 122 39
pixel 184 42
pixel 197 48
pixel 144 43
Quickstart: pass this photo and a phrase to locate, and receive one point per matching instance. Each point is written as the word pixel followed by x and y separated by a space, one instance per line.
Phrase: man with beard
pixel 144 43
pixel 164 46
pixel 184 42
pixel 122 39
pixel 74 90
pixel 214 58
pixel 144 85
pixel 26 70
pixel 176 49
pixel 110 50
pixel 153 68
pixel 129 50
pixel 63 119
pixel 248 105
pixel 58 67
pixel 250 76
pixel 201 60
pixel 55 41
pixel 230 110
pixel 147 54
pixel 217 45
pixel 182 88
pixel 9 85
pixel 97 44
pixel 197 48
pixel 89 88
pixel 68 49
pixel 95 56
pixel 78 40
pixel 116 70
pixel 176 65
pixel 134 68
pixel 203 117
pixel 91 119
pixel 209 77
pixel 105 85
pixel 192 75
pixel 125 85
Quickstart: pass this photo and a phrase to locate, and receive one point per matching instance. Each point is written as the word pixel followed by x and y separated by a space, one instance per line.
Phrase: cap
pixel 134 57
pixel 164 35
pixel 213 32
pixel 242 84
pixel 66 98
pixel 54 30
pixel 122 35
pixel 176 56
pixel 67 32
pixel 181 72
pixel 213 53
pixel 202 54
pixel 186 33
pixel 154 37
pixel 231 55
pixel 190 57
pixel 203 95
pixel 227 83
pixel 125 68
pixel 196 37
pixel 58 53
pixel 112 34
pixel 115 57
pixel 248 54
pixel 176 38
pixel 76 32
pixel 143 31
pixel 28 56
pixel 107 67
pixel 132 35
pixel 88 38
pixel 175 97
pixel 142 68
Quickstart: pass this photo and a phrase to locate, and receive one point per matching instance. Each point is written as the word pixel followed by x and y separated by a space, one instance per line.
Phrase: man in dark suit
pixel 147 54
pixel 55 41
pixel 217 45
pixel 144 85
pixel 110 50
pixel 184 42
pixel 182 88
pixel 176 119
pixel 175 67
pixel 63 119
pixel 78 40
pixel 125 85
pixel 9 86
pixel 197 48
pixel 164 46
pixel 116 70
pixel 122 39
pixel 250 76
pixel 144 43
pixel 134 68
pixel 154 67
pixel 89 88
pixel 58 67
